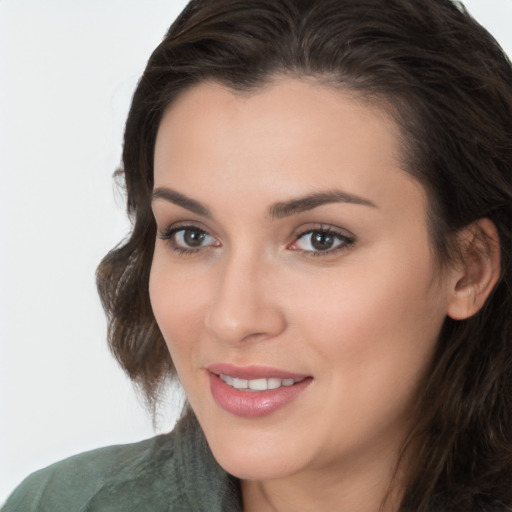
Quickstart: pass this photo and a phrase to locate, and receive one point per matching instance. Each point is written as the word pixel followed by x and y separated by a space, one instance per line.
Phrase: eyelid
pixel 318 226
pixel 185 223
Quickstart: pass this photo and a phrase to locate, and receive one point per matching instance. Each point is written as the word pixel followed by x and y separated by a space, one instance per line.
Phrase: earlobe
pixel 479 269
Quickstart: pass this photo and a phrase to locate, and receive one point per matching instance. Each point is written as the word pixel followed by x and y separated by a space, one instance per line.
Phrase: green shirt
pixel 169 473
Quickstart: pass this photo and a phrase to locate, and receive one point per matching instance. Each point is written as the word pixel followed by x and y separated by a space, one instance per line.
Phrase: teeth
pixel 273 383
pixel 240 383
pixel 227 379
pixel 257 384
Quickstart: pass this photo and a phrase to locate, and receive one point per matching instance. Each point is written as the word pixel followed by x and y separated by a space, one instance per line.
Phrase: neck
pixel 369 487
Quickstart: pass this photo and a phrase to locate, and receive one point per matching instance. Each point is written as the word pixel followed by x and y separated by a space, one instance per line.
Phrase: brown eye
pixel 193 237
pixel 322 241
pixel 188 239
pixel 319 242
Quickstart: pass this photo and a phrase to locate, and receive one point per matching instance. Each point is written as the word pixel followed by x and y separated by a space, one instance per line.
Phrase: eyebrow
pixel 309 202
pixel 182 200
pixel 277 210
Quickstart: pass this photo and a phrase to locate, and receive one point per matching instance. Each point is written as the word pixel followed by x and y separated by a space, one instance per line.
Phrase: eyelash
pixel 345 241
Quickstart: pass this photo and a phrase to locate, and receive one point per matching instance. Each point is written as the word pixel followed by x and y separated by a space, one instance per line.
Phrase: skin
pixel 362 321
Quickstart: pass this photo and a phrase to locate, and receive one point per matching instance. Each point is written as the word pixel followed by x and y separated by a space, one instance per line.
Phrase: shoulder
pixel 169 473
pixel 112 478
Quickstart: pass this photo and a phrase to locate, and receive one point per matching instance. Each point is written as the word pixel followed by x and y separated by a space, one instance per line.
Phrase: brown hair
pixel 450 89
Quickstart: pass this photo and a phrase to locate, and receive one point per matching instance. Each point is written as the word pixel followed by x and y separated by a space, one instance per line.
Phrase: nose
pixel 244 304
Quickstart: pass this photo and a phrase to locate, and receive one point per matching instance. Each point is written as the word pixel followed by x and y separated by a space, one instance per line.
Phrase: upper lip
pixel 253 372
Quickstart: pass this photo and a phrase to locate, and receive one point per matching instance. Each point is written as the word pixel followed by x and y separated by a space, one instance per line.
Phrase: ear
pixel 478 271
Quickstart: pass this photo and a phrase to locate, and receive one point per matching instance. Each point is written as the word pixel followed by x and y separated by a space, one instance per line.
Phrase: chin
pixel 256 468
pixel 252 459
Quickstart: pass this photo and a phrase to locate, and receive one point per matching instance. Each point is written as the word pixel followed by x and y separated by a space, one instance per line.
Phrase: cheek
pixel 374 339
pixel 377 321
pixel 176 304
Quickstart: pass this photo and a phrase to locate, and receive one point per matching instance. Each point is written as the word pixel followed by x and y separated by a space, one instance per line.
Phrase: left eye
pixel 188 238
pixel 319 241
pixel 192 237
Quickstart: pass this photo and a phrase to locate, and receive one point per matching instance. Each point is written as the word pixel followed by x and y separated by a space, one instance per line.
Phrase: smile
pixel 255 391
pixel 258 384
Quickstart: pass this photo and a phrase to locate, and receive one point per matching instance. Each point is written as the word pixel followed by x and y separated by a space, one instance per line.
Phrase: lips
pixel 254 391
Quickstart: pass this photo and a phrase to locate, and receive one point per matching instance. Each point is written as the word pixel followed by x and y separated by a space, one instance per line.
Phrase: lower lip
pixel 254 404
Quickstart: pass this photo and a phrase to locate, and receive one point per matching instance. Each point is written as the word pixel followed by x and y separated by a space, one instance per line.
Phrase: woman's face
pixel 293 257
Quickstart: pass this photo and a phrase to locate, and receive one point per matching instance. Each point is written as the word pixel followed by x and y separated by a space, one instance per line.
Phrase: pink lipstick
pixel 254 391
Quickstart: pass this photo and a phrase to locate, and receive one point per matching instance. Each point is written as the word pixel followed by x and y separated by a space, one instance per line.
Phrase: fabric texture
pixel 175 472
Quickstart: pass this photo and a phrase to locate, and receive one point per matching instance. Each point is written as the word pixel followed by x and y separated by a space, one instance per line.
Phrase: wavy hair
pixel 448 85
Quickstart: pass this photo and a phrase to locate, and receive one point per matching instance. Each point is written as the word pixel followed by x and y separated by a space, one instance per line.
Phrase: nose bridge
pixel 244 304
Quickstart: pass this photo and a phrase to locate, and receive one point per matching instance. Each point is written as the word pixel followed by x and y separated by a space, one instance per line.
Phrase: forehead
pixel 289 137
pixel 291 103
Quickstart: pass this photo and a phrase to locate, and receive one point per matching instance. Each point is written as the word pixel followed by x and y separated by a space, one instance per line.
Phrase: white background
pixel 67 72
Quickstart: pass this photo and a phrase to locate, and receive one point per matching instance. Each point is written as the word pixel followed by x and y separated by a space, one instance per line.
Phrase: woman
pixel 322 202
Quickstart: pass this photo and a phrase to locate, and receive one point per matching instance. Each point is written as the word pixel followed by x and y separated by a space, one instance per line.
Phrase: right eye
pixel 188 239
